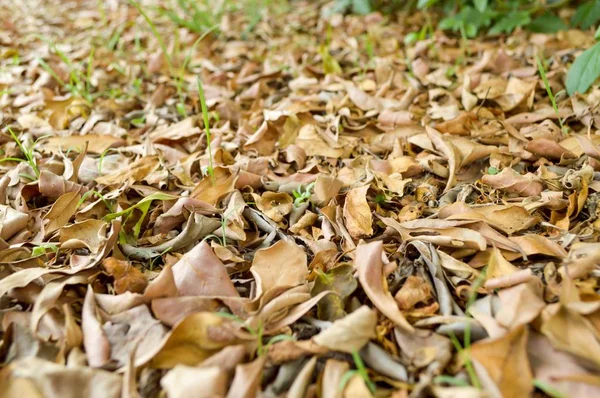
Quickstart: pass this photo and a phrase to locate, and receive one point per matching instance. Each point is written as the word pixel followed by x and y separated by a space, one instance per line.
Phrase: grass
pixel 542 71
pixel 79 84
pixel 28 153
pixel 97 194
pixel 464 353
pixel 257 333
pixel 360 370
pixel 196 20
pixel 548 389
pixel 205 118
pixel 163 47
pixel 453 381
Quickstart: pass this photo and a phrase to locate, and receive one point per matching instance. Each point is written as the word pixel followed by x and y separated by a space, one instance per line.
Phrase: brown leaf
pixel 132 173
pixel 95 143
pixel 282 265
pixel 181 381
pixel 505 360
pixel 350 333
pixel 415 290
pixel 11 221
pixel 372 280
pixel 193 340
pixel 357 213
pixel 97 346
pixel 246 381
pixel 211 189
pixel 513 182
pixel 275 205
pixel 200 273
pixel 59 381
pixel 127 277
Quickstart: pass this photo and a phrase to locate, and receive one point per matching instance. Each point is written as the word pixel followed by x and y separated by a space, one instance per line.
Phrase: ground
pixel 279 200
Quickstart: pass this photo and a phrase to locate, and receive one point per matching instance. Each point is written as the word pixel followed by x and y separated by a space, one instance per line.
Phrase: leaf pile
pixel 348 217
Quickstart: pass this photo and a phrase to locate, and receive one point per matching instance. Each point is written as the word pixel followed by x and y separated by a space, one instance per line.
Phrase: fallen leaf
pixel 350 333
pixel 505 359
pixel 357 213
pixel 370 275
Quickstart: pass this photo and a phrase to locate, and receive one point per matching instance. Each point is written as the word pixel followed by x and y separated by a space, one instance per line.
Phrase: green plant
pixel 42 248
pixel 79 83
pixel 475 16
pixel 97 194
pixel 195 16
pixel 163 47
pixel 464 353
pixel 302 196
pixel 586 15
pixel 28 153
pixel 361 7
pixel 143 205
pixel 257 333
pixel 585 70
pixel 454 381
pixel 206 127
pixel 548 389
pixel 360 370
pixel 542 71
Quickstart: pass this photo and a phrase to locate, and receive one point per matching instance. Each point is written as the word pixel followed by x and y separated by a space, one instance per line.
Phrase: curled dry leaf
pixel 370 275
pixel 11 221
pixel 127 277
pixel 357 213
pixel 196 230
pixel 513 182
pixel 350 333
pixel 275 205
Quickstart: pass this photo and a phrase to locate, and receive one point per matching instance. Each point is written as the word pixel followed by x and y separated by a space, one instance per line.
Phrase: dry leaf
pixel 357 213
pixel 505 360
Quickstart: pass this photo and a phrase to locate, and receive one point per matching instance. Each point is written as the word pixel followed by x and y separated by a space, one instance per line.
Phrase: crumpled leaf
pixel 351 332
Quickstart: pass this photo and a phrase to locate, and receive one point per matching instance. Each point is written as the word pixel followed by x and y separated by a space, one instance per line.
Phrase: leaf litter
pixel 294 202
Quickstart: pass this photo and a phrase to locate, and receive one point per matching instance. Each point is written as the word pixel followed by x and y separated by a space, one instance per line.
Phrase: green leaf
pixel 411 38
pixel 422 4
pixel 361 7
pixel 584 71
pixel 41 249
pixel 449 23
pixel 548 389
pixel 147 199
pixel 597 34
pixel 453 381
pixel 510 22
pixel 586 15
pixel 547 23
pixel 481 5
